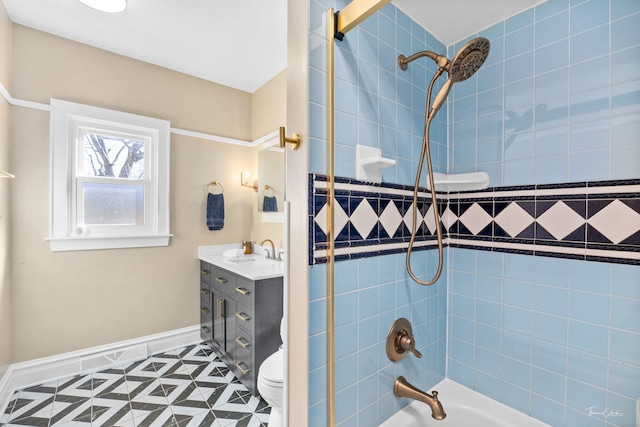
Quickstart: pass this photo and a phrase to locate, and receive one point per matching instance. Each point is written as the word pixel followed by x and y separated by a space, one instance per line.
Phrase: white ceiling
pixel 452 20
pixel 237 43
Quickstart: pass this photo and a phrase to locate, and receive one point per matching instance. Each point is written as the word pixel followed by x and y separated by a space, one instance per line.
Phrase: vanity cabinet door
pixel 222 284
pixel 219 320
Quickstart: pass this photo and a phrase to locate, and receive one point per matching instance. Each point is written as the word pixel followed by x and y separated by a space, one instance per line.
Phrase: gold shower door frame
pixel 347 19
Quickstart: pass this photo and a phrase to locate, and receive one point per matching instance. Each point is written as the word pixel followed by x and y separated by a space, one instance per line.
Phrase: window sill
pixel 59 244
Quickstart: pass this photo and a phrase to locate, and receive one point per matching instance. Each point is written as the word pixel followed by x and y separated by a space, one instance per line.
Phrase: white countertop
pixel 253 266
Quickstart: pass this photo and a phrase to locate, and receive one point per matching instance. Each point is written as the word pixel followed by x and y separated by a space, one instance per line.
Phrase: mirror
pixel 271 179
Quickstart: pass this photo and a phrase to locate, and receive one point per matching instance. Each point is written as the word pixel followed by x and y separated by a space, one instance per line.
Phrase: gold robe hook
pixel 295 140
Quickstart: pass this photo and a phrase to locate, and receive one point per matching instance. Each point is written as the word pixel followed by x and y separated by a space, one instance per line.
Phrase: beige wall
pixel 5 284
pixel 269 106
pixel 65 301
pixel 53 67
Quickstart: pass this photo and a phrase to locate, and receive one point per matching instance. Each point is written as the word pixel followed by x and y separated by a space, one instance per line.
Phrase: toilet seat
pixel 272 369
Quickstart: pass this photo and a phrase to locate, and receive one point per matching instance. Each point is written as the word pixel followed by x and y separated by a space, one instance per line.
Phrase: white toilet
pixel 270 382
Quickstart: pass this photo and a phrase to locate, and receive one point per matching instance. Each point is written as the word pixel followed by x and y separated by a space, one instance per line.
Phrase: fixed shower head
pixel 468 59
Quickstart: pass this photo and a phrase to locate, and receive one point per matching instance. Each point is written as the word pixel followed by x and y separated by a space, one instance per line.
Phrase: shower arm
pixel 440 60
pixel 426 151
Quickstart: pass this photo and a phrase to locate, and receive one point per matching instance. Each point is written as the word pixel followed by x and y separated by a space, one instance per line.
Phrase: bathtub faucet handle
pixel 407 343
pixel 400 340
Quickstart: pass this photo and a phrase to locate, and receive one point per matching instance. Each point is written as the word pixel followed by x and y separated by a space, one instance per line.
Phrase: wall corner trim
pixel 22 103
pixel 37 371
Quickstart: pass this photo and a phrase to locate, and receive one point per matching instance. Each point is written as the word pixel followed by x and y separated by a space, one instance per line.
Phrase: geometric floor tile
pixel 184 387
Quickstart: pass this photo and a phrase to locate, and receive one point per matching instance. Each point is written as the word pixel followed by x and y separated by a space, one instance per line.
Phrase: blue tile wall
pixel 557 101
pixel 559 81
pixel 371 293
pixel 542 333
pixel 377 105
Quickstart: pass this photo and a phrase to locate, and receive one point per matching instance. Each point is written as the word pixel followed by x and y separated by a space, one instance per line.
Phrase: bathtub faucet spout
pixel 402 388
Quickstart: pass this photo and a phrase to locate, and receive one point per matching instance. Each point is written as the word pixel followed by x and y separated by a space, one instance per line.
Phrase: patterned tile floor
pixel 189 386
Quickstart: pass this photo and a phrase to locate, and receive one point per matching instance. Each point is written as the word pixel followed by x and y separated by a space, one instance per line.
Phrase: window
pixel 109 179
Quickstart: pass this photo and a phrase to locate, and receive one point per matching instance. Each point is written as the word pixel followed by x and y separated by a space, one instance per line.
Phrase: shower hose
pixel 426 152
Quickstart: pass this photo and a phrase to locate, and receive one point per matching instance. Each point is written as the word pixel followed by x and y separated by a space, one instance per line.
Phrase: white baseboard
pixel 38 371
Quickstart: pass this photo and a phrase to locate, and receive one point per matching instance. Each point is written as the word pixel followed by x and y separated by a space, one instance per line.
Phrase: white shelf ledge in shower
pixel 369 164
pixel 460 181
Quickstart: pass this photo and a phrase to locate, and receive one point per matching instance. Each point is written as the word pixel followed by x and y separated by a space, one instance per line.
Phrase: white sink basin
pixel 251 259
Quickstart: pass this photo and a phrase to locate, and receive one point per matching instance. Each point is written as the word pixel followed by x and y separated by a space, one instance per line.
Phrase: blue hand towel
pixel 269 204
pixel 215 211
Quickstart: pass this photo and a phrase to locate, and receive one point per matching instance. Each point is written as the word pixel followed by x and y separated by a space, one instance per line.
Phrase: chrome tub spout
pixel 401 388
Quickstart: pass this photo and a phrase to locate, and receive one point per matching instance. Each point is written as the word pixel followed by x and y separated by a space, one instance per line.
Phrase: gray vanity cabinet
pixel 245 320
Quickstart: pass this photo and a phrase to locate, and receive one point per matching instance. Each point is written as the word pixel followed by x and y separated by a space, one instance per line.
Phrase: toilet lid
pixel 272 369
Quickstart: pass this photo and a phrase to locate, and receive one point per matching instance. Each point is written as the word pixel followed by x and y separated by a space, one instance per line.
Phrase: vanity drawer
pixel 244 317
pixel 222 278
pixel 205 331
pixel 243 368
pixel 244 341
pixel 205 312
pixel 205 295
pixel 205 272
pixel 244 291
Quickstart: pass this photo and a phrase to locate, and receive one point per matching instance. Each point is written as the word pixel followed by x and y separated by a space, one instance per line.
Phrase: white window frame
pixel 69 122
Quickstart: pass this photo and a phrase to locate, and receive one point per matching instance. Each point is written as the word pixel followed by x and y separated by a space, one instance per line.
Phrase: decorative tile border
pixel 597 221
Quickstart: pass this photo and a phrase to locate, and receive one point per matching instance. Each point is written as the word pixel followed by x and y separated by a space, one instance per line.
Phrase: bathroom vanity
pixel 240 311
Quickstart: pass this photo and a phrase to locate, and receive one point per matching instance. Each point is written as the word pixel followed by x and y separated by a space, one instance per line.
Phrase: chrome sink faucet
pixel 402 388
pixel 271 255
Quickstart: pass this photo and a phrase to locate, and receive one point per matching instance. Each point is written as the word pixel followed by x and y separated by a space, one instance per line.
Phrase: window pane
pixel 111 156
pixel 113 204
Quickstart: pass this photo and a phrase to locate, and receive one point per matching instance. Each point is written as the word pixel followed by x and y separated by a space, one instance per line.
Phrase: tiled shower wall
pixel 557 101
pixel 377 105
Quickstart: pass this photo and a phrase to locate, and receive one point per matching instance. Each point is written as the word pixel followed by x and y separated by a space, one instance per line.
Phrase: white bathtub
pixel 464 407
